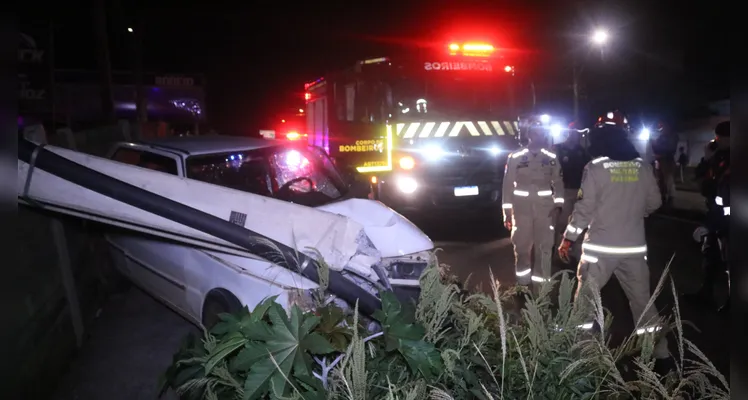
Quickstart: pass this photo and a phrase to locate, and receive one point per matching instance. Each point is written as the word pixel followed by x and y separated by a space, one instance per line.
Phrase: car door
pixel 154 264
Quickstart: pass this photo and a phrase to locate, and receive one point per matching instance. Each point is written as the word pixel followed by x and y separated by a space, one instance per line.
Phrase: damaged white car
pixel 291 193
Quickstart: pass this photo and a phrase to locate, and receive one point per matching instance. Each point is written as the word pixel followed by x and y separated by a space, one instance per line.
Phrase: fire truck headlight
pixel 556 130
pixel 644 134
pixel 495 150
pixel 433 152
pixel 407 184
pixel 407 162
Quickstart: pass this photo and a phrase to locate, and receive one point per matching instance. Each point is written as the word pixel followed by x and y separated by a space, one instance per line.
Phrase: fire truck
pixel 430 129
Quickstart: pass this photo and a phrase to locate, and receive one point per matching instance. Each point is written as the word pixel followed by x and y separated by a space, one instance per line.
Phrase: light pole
pixel 141 105
pixel 599 38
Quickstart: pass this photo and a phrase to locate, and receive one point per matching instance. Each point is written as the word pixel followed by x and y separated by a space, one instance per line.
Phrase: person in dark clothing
pixel 573 157
pixel 714 173
pixel 664 146
pixel 682 162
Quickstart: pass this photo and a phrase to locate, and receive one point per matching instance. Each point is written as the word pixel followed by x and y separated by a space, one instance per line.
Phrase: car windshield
pixel 300 174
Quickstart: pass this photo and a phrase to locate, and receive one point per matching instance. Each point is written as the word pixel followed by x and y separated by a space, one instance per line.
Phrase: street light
pixel 129 30
pixel 600 37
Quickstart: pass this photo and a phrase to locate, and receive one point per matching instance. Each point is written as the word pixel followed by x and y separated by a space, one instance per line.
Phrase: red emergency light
pixel 293 135
pixel 471 49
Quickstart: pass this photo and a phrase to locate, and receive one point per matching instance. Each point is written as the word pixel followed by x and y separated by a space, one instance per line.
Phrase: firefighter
pixel 573 157
pixel 618 191
pixel 664 147
pixel 532 196
pixel 714 172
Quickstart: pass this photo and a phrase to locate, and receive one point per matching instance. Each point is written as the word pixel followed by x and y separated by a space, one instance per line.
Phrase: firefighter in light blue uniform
pixel 532 196
pixel 618 191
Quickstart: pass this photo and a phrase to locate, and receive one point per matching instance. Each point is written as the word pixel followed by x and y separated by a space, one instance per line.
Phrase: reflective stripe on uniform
pixel 506 205
pixel 614 249
pixel 648 329
pixel 521 193
pixel 558 200
pixel 520 153
pixel 726 210
pixel 524 272
pixel 548 153
pixel 718 201
pixel 589 258
pixel 573 229
pixel 452 129
pixel 599 159
pixel 536 278
pixel 545 192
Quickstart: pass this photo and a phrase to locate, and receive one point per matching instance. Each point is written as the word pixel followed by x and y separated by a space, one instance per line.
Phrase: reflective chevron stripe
pixel 452 129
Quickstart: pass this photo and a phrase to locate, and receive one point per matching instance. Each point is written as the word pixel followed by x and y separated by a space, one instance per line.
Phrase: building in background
pixel 174 99
pixel 696 132
pixel 35 77
pixel 72 98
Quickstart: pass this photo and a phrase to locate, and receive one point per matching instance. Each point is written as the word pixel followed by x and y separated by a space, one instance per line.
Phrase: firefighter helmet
pixel 723 129
pixel 660 126
pixel 613 118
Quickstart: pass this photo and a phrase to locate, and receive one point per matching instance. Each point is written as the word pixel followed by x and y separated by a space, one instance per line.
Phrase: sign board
pixel 267 134
pixel 458 66
pixel 363 146
pixel 169 80
pixel 34 71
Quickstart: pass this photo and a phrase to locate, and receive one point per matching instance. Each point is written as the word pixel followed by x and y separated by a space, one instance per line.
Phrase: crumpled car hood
pixel 391 233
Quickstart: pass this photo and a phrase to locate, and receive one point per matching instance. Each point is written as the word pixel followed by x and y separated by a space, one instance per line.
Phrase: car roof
pixel 208 144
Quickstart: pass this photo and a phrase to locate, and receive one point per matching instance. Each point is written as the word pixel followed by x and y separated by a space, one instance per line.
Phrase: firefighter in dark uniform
pixel 572 157
pixel 714 173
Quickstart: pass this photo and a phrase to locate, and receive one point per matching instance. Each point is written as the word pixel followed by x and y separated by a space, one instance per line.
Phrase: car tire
pixel 217 302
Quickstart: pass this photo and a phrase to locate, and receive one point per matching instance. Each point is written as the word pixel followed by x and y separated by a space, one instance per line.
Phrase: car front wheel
pixel 218 301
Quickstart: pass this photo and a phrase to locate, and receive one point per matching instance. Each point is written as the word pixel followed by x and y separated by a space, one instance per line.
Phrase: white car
pixel 201 283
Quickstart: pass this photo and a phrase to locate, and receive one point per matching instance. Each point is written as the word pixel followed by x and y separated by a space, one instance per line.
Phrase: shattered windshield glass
pixel 302 174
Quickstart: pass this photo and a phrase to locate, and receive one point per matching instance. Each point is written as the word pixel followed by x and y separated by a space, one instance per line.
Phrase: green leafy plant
pixel 452 345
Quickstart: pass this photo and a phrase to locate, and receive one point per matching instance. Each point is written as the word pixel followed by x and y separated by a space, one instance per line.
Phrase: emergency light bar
pixel 375 60
pixel 471 49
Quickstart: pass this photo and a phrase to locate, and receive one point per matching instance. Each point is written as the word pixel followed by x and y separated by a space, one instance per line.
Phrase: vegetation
pixel 452 345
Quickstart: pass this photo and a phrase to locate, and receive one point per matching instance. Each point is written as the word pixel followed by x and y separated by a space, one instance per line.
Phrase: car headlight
pixel 495 150
pixel 556 130
pixel 407 184
pixel 433 152
pixel 407 270
pixel 407 162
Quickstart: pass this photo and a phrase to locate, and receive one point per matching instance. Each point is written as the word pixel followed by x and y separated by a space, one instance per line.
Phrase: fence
pixel 55 289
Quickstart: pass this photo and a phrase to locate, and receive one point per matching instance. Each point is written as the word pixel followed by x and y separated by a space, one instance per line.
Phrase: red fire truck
pixel 430 129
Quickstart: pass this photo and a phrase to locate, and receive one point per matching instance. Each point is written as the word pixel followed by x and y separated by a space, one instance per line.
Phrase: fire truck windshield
pixel 472 94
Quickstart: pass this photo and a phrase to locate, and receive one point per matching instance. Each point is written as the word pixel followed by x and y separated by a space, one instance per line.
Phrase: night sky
pixel 664 58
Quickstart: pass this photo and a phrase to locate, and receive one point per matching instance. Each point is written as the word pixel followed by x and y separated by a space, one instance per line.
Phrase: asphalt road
pixel 135 337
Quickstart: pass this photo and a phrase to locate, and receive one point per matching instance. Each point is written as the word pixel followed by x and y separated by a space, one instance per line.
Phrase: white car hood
pixel 391 233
